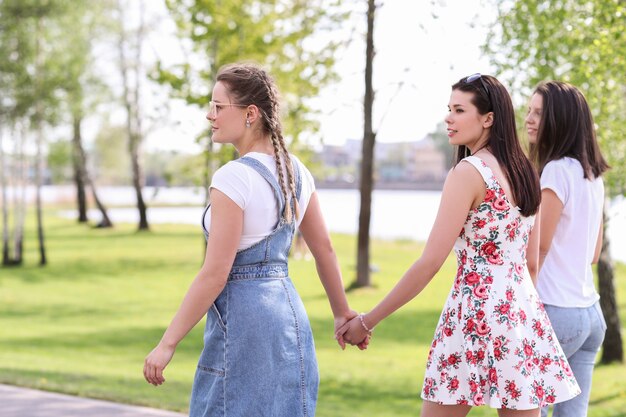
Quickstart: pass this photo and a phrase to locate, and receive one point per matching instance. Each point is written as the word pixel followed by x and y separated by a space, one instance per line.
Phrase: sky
pixel 422 54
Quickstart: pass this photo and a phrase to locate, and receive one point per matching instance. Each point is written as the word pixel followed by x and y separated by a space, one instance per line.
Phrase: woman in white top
pixel 564 147
pixel 258 357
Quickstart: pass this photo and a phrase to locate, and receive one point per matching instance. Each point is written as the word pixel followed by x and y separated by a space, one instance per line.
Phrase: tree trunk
pixel 5 205
pixel 79 170
pixel 137 183
pixel 39 155
pixel 131 103
pixel 612 350
pixel 19 199
pixel 81 160
pixel 367 160
pixel 38 203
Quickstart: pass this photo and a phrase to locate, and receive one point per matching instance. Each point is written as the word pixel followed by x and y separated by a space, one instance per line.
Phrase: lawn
pixel 83 324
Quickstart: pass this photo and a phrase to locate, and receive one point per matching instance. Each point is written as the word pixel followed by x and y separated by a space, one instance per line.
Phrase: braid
pixel 278 143
pixel 290 173
pixel 281 176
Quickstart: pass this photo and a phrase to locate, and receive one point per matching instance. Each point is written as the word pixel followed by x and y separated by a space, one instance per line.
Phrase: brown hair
pixel 490 95
pixel 250 84
pixel 566 129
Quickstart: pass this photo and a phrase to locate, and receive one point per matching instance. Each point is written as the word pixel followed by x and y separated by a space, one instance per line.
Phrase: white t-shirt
pixel 566 278
pixel 250 191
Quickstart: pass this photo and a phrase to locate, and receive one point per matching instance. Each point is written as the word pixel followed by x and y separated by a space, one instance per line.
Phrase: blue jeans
pixel 580 332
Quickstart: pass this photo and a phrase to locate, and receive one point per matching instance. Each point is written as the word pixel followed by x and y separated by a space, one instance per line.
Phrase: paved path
pixel 24 402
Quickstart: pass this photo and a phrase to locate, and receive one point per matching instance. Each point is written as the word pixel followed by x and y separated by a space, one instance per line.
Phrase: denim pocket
pixel 600 314
pixel 213 371
pixel 218 317
pixel 567 324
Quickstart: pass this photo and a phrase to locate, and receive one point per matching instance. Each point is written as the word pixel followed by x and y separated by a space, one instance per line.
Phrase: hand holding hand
pixel 156 362
pixel 355 333
pixel 340 321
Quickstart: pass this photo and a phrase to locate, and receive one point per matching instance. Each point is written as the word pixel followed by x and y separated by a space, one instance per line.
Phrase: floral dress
pixel 494 344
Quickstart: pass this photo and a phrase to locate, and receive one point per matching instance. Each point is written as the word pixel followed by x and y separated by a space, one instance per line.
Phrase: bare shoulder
pixel 464 183
pixel 464 173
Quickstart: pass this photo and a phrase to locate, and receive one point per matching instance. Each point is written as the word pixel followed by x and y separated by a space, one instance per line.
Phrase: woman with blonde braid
pixel 258 357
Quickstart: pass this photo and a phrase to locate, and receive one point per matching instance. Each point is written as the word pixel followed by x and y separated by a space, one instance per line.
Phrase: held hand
pixel 156 362
pixel 354 333
pixel 339 322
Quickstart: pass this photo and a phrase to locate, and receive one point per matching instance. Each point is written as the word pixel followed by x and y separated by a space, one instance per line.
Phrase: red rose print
pixel 480 314
pixel 472 278
pixel 489 195
pixel 493 376
pixel 469 326
pixel 482 328
pixel 454 384
pixel 495 259
pixel 473 386
pixel 504 308
pixel 528 350
pixel 481 291
pixel 479 224
pixel 497 353
pixel 489 248
pixel 539 391
pixel 499 204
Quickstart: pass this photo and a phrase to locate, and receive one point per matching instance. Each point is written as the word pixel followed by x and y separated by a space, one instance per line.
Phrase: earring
pixel 247 123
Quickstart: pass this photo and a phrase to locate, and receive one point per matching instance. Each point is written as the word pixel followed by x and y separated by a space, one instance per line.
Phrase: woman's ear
pixel 252 113
pixel 488 122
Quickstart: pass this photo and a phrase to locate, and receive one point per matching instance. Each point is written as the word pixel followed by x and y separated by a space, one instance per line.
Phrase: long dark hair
pixel 251 84
pixel 566 129
pixel 491 96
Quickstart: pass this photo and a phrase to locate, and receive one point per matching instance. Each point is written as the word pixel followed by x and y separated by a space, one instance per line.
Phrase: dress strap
pixel 483 168
pixel 267 175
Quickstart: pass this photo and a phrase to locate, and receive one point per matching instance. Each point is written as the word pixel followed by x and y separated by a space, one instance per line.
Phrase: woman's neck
pixel 260 145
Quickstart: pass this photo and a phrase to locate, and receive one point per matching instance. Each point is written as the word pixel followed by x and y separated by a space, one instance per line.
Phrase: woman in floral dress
pixel 494 344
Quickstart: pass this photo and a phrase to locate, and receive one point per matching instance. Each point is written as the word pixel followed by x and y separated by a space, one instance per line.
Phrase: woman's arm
pixel 532 251
pixel 224 237
pixel 464 187
pixel 551 210
pixel 316 236
pixel 598 250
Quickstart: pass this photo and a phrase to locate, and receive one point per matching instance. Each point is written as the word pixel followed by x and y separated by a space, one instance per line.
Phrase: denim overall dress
pixel 258 358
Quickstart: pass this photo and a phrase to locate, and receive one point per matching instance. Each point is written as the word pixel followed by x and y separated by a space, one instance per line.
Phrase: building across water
pixel 418 165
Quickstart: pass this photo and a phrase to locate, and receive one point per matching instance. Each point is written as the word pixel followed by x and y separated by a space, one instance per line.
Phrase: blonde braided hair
pixel 250 84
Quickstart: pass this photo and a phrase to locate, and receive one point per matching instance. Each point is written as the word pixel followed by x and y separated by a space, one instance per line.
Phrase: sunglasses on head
pixel 471 78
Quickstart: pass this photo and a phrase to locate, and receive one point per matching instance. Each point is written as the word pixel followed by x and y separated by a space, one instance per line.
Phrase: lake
pixel 396 214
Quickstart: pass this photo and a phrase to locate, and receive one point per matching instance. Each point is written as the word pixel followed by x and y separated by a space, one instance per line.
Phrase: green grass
pixel 83 324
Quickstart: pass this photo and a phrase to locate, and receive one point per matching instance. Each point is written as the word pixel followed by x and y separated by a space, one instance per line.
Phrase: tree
pixel 130 53
pixel 367 160
pixel 584 43
pixel 79 26
pixel 32 65
pixel 275 34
